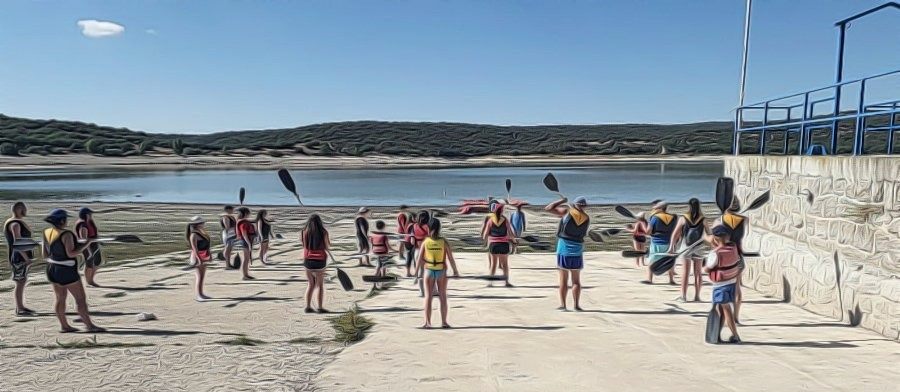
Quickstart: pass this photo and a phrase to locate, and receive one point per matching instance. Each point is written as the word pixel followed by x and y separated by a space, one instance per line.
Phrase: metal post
pixel 762 132
pixel 890 140
pixel 804 138
pixel 838 78
pixel 859 136
pixel 739 116
pixel 736 143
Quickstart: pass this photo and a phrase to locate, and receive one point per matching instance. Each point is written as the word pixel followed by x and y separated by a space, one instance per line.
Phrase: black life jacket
pixel 736 224
pixel 570 230
pixel 661 232
pixel 24 232
pixel 56 247
pixel 692 231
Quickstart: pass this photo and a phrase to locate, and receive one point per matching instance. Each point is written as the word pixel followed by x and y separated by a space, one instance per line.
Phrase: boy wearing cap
pixel 16 229
pixel 86 228
pixel 573 227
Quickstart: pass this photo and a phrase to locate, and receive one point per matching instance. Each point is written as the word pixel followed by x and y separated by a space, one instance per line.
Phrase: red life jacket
pixel 90 226
pixel 379 243
pixel 313 254
pixel 245 227
pixel 419 233
pixel 727 266
pixel 403 225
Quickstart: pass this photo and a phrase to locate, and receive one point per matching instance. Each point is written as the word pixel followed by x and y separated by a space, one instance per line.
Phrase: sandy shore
pixel 170 162
pixel 632 337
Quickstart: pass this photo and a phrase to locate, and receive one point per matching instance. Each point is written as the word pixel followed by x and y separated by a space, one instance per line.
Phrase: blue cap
pixel 720 230
pixel 580 201
pixel 56 215
pixel 84 211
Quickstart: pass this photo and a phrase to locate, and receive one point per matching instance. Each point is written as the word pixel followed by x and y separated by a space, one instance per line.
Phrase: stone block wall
pixel 832 222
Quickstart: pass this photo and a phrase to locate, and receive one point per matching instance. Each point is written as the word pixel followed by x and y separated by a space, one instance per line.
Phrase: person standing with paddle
pixel 723 266
pixel 573 227
pixel 85 229
pixel 61 250
pixel 246 234
pixel 690 229
pixel 16 229
pixel 316 242
pixel 407 250
pixel 229 233
pixel 661 226
pixel 200 244
pixel 264 233
pixel 362 236
pixel 434 254
pixel 498 234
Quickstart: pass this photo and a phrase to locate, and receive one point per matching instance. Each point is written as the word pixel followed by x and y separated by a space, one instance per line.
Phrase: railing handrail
pixel 756 105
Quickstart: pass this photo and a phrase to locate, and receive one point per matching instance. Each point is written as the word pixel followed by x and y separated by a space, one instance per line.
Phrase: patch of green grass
pixel 90 344
pixel 242 341
pixel 350 327
pixel 116 294
pixel 308 339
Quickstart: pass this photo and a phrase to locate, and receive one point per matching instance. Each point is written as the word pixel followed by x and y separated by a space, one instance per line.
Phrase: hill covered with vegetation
pixel 20 136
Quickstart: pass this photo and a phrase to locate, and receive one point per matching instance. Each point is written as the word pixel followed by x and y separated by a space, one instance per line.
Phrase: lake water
pixel 620 182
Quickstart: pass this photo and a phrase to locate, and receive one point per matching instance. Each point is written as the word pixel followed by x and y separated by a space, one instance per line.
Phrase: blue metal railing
pixel 778 115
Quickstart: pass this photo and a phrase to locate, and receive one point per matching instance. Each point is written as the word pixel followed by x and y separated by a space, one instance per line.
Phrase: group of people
pixel 722 258
pixel 427 254
pixel 60 248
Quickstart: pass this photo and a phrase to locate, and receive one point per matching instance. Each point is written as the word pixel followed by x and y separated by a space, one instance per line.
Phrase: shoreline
pixel 264 162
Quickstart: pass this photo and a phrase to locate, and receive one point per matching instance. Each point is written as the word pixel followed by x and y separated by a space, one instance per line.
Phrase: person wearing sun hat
pixel 86 228
pixel 362 235
pixel 200 243
pixel 573 227
pixel 61 250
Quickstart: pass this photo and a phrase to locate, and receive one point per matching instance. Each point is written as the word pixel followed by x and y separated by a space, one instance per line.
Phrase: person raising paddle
pixel 737 226
pixel 200 244
pixel 691 227
pixel 723 265
pixel 316 242
pixel 86 228
pixel 434 254
pixel 573 227
pixel 229 233
pixel 16 229
pixel 246 234
pixel 61 250
pixel 661 225
pixel 498 234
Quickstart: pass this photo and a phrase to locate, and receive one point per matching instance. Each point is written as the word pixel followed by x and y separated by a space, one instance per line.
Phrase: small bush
pixel 178 146
pixel 276 154
pixel 9 149
pixel 92 146
pixel 191 151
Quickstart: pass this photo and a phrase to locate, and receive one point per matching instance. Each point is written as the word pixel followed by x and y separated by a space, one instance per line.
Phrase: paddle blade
pixel 663 265
pixel 759 202
pixel 633 253
pixel 531 238
pixel 611 232
pixel 724 193
pixel 508 185
pixel 378 279
pixel 595 236
pixel 279 236
pixel 128 238
pixel 285 176
pixel 241 195
pixel 713 326
pixel 346 283
pixel 220 256
pixel 625 212
pixel 236 263
pixel 550 183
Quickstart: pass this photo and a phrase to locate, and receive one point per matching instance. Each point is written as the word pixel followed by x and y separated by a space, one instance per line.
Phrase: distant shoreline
pixel 261 162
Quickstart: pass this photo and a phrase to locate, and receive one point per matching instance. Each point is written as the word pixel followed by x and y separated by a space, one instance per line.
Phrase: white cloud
pixel 151 32
pixel 93 28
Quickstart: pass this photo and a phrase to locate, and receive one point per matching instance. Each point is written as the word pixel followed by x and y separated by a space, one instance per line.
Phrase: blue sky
pixel 201 66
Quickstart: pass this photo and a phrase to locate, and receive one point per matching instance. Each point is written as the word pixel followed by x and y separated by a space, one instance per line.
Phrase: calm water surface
pixel 620 182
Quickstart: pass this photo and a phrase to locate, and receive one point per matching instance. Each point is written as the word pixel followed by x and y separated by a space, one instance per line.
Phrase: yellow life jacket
pixel 435 253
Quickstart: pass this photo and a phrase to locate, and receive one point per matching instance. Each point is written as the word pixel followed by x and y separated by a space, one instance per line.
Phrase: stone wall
pixel 832 221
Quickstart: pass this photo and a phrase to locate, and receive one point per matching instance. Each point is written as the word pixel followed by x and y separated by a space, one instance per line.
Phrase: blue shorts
pixel 435 274
pixel 570 262
pixel 723 294
pixel 657 251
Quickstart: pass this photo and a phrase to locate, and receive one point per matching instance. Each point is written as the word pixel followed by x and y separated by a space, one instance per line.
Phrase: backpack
pixel 692 231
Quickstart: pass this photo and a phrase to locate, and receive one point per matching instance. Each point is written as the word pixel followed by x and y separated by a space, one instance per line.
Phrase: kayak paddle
pixel 552 185
pixel 665 263
pixel 508 188
pixel 241 195
pixel 625 212
pixel 724 193
pixel 758 202
pixel 285 176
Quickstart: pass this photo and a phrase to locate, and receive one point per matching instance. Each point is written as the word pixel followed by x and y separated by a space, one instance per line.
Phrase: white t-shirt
pixel 712 260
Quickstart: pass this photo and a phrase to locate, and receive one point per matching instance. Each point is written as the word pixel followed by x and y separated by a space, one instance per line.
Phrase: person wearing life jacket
pixel 229 234
pixel 498 234
pixel 200 243
pixel 361 223
pixel 381 248
pixel 246 234
pixel 661 224
pixel 418 231
pixel 638 231
pixel 407 250
pixel 263 235
pixel 432 262
pixel 691 228
pixel 86 228
pixel 723 267
pixel 737 226
pixel 315 241
pixel 573 227
pixel 20 259
pixel 61 250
